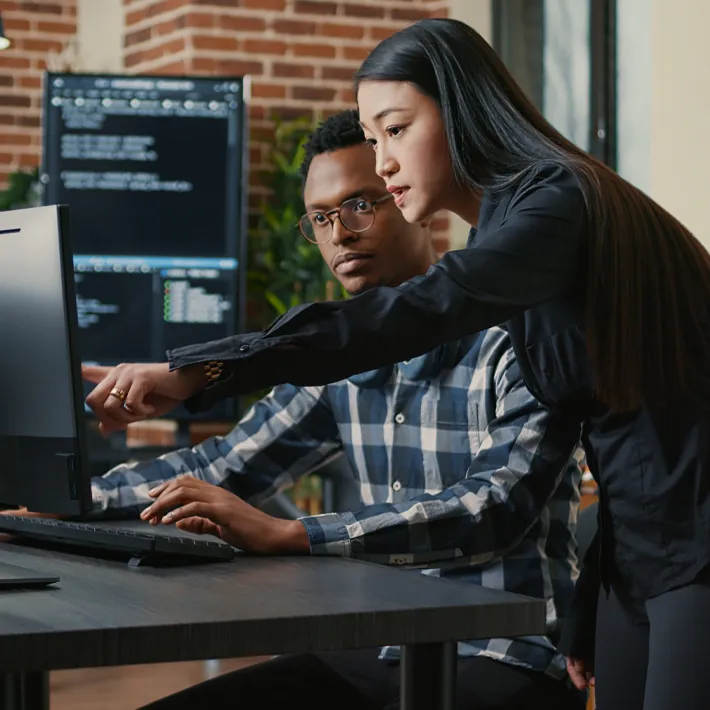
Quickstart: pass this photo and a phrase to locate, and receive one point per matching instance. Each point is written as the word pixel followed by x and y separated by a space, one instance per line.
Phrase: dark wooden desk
pixel 103 613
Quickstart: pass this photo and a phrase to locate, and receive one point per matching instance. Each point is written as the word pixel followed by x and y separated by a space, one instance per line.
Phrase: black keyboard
pixel 142 542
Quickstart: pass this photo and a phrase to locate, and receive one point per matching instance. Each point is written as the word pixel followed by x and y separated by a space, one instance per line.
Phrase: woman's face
pixel 412 155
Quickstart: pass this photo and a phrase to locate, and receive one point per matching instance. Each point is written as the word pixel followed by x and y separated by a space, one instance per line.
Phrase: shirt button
pixel 396 486
pixel 399 418
pixel 244 348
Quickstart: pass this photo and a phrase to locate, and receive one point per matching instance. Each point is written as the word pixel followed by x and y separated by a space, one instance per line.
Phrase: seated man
pixel 459 469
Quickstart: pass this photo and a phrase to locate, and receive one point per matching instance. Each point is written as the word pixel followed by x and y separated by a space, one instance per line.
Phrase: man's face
pixel 390 251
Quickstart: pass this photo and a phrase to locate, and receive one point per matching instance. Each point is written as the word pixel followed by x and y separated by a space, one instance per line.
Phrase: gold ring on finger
pixel 118 394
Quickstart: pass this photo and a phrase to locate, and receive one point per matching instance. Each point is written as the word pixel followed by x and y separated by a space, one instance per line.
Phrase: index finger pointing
pixel 94 373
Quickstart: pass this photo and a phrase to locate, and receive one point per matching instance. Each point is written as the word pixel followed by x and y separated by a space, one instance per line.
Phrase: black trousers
pixel 653 655
pixel 358 680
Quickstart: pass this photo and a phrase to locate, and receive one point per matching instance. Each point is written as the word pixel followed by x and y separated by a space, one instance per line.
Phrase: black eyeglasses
pixel 356 215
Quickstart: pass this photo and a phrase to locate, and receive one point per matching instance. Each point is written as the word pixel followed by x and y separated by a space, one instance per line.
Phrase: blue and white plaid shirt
pixel 460 470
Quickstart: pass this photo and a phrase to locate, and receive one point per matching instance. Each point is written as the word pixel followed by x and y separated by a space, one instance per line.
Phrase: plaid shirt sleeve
pixel 285 435
pixel 524 453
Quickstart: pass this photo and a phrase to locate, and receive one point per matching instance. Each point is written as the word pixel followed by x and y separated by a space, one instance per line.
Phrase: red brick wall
pixel 36 29
pixel 301 54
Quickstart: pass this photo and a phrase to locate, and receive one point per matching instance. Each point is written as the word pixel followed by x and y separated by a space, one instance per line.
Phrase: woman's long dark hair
pixel 648 280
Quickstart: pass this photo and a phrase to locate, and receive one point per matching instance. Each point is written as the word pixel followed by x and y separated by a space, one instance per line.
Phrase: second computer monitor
pixel 153 171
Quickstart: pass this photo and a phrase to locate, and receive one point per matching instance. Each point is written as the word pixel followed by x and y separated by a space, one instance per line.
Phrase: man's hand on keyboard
pixel 200 507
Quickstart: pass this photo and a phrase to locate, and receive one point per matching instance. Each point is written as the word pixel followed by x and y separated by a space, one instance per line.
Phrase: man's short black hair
pixel 339 131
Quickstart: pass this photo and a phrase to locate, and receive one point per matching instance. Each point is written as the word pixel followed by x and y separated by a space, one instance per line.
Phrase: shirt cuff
pixel 328 535
pixel 232 348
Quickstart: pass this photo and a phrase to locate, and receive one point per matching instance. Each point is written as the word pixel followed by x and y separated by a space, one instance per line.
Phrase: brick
pixel 240 68
pixel 29 159
pixel 15 138
pixel 137 37
pixel 198 19
pixel 31 82
pixel 291 113
pixel 241 23
pixel 16 24
pixel 132 59
pixel 264 46
pixel 379 32
pixel 410 14
pixel 6 80
pixel 263 130
pixel 7 119
pixel 6 158
pixel 39 45
pixel 312 7
pixel 135 16
pixel 15 100
pixel 168 27
pixel 331 29
pixel 339 73
pixel 214 43
pixel 160 8
pixel 13 62
pixel 217 3
pixel 171 68
pixel 294 27
pixel 314 50
pixel 354 10
pixel 166 49
pixel 9 5
pixel 42 7
pixel 268 91
pixel 264 4
pixel 205 65
pixel 357 53
pixel 347 95
pixel 302 71
pixel 29 121
pixel 260 177
pixel 312 93
pixel 68 28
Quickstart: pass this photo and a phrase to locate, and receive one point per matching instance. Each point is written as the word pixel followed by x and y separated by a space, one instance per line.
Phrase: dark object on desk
pixel 140 541
pixel 12 577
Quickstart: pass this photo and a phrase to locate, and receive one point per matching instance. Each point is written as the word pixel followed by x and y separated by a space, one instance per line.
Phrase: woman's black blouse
pixel 525 268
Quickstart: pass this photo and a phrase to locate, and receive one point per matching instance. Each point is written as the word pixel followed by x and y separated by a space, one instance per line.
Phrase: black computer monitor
pixel 42 446
pixel 153 169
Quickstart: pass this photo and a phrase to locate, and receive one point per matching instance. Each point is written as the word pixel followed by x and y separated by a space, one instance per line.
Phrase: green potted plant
pixel 22 190
pixel 284 269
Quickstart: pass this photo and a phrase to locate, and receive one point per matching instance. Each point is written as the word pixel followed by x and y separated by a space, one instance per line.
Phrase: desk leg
pixel 24 691
pixel 428 676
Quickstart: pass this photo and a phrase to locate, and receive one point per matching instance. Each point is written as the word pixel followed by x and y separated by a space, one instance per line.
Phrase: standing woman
pixel 607 300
